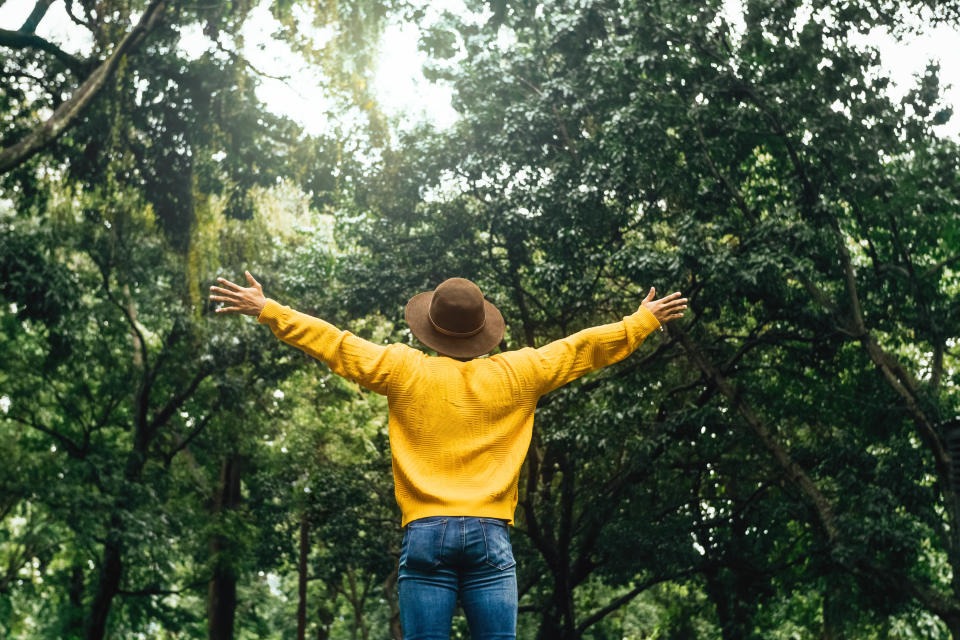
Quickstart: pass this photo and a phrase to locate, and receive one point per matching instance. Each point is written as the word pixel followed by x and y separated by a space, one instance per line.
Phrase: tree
pixel 775 466
pixel 768 174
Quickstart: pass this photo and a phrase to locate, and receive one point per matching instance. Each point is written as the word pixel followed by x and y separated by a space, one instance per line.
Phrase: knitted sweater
pixel 459 431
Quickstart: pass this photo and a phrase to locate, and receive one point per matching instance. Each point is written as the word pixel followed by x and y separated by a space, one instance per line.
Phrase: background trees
pixel 776 466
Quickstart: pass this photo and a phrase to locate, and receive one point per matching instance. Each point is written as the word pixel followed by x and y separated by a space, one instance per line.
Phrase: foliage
pixel 772 467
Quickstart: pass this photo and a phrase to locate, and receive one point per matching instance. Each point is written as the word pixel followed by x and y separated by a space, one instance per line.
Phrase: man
pixel 460 426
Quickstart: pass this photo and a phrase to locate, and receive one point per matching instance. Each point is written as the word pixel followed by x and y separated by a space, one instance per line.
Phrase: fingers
pixel 650 295
pixel 671 301
pixel 224 295
pixel 230 285
pixel 219 294
pixel 669 298
pixel 246 300
pixel 668 308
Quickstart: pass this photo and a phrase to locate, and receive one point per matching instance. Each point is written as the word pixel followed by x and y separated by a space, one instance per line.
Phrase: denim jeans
pixel 446 556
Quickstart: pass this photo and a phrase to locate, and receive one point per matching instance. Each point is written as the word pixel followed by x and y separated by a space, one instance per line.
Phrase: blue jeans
pixel 446 556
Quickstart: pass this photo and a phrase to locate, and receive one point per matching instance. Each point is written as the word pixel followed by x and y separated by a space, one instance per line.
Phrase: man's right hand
pixel 667 308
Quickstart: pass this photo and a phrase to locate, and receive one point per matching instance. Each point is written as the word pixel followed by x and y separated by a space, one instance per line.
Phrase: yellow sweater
pixel 459 431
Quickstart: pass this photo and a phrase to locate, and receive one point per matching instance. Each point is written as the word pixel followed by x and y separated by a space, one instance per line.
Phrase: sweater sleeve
pixel 565 360
pixel 370 365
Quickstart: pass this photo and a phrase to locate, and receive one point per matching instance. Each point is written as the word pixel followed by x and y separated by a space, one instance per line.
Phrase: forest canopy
pixel 782 463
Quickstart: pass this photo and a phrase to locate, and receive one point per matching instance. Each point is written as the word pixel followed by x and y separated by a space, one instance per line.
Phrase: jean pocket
pixel 497 540
pixel 422 545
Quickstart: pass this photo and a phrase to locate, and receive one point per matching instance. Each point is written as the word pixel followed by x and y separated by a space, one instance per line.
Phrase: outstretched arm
pixel 565 360
pixel 369 364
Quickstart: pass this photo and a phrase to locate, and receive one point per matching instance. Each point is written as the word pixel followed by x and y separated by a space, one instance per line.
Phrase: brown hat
pixel 455 319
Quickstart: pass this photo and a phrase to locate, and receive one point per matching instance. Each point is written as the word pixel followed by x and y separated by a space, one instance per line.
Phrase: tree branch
pixel 241 60
pixel 162 416
pixel 616 603
pixel 68 112
pixel 794 471
pixel 895 374
pixel 87 24
pixel 168 458
pixel 157 591
pixel 24 40
pixel 71 447
pixel 932 269
pixel 941 604
pixel 731 189
pixel 39 10
pixel 141 352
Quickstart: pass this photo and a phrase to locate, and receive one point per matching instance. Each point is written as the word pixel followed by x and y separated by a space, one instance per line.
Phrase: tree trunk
pixel 222 601
pixel 745 577
pixel 953 625
pixel 326 610
pixel 357 596
pixel 954 628
pixel 550 626
pixel 302 577
pixel 111 570
pixel 111 567
pixel 325 614
pixel 73 624
pixel 558 621
pixel 720 596
pixel 829 629
pixel 390 593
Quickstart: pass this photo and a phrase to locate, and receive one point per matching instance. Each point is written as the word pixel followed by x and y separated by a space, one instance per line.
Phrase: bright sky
pixel 399 83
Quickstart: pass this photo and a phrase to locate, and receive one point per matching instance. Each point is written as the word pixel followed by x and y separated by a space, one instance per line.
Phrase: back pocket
pixel 497 539
pixel 422 545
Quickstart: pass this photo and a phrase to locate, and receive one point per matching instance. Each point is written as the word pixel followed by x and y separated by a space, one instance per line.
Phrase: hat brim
pixel 417 317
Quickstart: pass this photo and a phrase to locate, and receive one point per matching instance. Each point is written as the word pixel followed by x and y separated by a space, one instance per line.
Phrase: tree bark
pixel 111 571
pixel 828 631
pixel 551 537
pixel 67 113
pixel 73 623
pixel 326 613
pixel 390 593
pixel 356 594
pixel 558 621
pixel 111 565
pixel 954 626
pixel 222 601
pixel 302 577
pixel 25 40
pixel 39 10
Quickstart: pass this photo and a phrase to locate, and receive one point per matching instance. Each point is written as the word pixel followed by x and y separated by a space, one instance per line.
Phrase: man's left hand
pixel 246 300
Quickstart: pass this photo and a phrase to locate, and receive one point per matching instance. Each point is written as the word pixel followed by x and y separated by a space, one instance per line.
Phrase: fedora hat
pixel 454 319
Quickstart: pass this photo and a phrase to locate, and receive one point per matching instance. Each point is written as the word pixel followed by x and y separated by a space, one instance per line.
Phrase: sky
pixel 402 90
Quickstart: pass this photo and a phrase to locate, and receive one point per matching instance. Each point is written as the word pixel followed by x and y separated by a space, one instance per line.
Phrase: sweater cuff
pixel 644 322
pixel 271 311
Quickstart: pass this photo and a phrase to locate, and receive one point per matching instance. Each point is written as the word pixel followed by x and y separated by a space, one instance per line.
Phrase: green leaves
pixel 603 147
